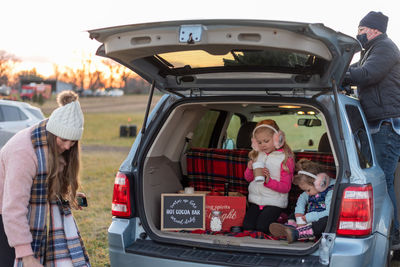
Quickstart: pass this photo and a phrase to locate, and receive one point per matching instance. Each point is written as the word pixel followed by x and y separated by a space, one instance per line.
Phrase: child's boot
pixel 292 234
pixel 306 232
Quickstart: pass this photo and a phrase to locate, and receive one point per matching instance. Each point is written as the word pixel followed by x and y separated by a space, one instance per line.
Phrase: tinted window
pixel 203 132
pixel 36 113
pixel 232 132
pixel 360 136
pixel 10 113
pixel 301 130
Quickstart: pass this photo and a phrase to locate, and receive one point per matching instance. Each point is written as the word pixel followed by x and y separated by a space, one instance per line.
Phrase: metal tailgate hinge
pixel 299 92
pixel 190 34
pixel 325 247
pixel 195 92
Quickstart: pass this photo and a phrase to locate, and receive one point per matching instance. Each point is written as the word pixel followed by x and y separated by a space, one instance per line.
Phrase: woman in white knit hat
pixel 39 178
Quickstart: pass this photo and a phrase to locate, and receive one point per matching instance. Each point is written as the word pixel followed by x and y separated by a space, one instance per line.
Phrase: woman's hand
pixel 82 195
pixel 31 261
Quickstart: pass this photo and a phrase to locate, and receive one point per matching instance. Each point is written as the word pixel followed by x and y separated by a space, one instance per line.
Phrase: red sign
pixel 232 210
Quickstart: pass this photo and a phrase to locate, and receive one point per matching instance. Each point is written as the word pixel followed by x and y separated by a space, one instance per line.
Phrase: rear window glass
pixel 203 132
pixel 278 61
pixel 303 132
pixel 10 113
pixel 360 137
pixel 36 113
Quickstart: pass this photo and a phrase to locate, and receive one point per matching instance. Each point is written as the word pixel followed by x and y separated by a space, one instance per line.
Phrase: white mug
pixel 258 171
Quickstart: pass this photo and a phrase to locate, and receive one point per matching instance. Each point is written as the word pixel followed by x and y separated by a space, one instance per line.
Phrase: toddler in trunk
pixel 312 208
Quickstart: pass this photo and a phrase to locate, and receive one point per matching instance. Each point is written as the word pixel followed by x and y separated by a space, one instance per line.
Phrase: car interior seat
pixel 243 139
pixel 324 145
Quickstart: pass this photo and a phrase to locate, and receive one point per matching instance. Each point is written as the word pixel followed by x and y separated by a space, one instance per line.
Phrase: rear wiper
pixel 164 61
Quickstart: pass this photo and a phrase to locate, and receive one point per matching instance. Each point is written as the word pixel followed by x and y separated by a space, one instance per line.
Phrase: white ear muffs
pixel 278 137
pixel 321 180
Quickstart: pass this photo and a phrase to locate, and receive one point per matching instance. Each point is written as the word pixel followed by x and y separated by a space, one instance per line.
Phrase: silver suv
pixel 219 77
pixel 15 116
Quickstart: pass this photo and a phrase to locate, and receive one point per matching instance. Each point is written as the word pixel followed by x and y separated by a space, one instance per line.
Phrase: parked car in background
pixel 86 93
pixel 220 77
pixel 15 116
pixel 115 92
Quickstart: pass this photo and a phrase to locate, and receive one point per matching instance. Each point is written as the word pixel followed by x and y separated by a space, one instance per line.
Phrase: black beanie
pixel 375 20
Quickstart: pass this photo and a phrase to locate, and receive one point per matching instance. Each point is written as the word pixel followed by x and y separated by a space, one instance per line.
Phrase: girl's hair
pixel 286 149
pixel 64 183
pixel 308 166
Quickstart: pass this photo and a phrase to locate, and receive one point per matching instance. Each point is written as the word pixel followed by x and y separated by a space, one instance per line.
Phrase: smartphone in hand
pixel 82 201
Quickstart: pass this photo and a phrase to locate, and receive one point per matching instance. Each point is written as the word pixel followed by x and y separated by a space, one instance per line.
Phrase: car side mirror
pixel 309 122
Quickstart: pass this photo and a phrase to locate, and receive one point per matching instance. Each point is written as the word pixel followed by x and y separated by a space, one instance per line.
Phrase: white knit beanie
pixel 66 121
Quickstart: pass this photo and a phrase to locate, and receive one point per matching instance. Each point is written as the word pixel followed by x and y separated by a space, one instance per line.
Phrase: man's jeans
pixel 387 149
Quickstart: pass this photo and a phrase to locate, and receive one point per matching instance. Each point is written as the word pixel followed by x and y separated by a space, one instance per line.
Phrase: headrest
pixel 243 139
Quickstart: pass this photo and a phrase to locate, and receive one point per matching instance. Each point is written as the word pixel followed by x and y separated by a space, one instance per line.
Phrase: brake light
pixel 121 204
pixel 356 211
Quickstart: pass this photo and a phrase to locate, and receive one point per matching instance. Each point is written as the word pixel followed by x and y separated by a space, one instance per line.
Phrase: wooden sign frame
pixel 184 200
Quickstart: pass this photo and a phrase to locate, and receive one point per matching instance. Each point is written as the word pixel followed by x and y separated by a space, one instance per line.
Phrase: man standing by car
pixel 377 76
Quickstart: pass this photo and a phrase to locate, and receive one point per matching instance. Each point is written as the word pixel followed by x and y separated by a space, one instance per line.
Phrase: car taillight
pixel 356 211
pixel 121 204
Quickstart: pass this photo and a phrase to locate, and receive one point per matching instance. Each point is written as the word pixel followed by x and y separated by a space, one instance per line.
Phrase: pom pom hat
pixel 67 120
pixel 375 20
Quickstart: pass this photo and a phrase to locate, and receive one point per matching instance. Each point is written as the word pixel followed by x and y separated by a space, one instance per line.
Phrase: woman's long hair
pixel 286 149
pixel 65 183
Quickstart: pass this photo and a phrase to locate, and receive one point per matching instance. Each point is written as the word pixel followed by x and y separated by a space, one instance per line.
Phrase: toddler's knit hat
pixel 67 120
pixel 375 20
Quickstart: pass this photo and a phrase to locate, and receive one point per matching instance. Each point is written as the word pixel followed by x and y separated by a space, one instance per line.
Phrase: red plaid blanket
pixel 209 168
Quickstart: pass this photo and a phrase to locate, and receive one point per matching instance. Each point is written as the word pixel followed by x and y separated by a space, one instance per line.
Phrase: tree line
pixel 87 76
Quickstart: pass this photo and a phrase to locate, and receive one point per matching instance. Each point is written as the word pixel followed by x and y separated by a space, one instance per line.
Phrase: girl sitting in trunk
pixel 312 208
pixel 270 185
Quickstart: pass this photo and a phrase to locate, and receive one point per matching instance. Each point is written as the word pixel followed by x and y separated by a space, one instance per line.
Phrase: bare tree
pixel 7 62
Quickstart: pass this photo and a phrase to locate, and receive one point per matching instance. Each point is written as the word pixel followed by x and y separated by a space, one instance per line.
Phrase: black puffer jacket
pixel 377 76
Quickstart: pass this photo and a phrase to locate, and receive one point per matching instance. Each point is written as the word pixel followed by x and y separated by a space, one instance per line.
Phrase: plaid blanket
pixel 209 169
pixel 60 244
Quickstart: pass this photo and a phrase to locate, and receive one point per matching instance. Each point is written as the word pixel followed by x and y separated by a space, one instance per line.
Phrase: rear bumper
pixel 150 253
pixel 370 251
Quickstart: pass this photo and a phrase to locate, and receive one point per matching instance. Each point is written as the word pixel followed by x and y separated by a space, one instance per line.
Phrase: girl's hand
pixel 31 261
pixel 266 174
pixel 299 215
pixel 250 165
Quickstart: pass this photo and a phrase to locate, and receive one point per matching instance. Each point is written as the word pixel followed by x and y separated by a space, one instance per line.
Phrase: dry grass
pixel 97 180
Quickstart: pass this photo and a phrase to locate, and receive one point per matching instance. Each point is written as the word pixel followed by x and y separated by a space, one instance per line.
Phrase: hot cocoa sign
pixel 182 211
pixel 232 210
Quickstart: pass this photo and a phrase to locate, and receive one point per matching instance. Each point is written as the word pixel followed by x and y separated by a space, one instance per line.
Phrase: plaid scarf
pixel 62 244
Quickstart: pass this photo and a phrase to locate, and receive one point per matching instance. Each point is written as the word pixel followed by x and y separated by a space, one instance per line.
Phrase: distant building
pixel 56 85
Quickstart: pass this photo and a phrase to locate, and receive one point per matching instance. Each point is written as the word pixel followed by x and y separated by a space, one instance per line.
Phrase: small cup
pixel 258 171
pixel 189 190
pixel 299 220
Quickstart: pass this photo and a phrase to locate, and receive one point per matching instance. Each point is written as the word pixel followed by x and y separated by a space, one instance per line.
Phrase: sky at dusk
pixel 46 32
